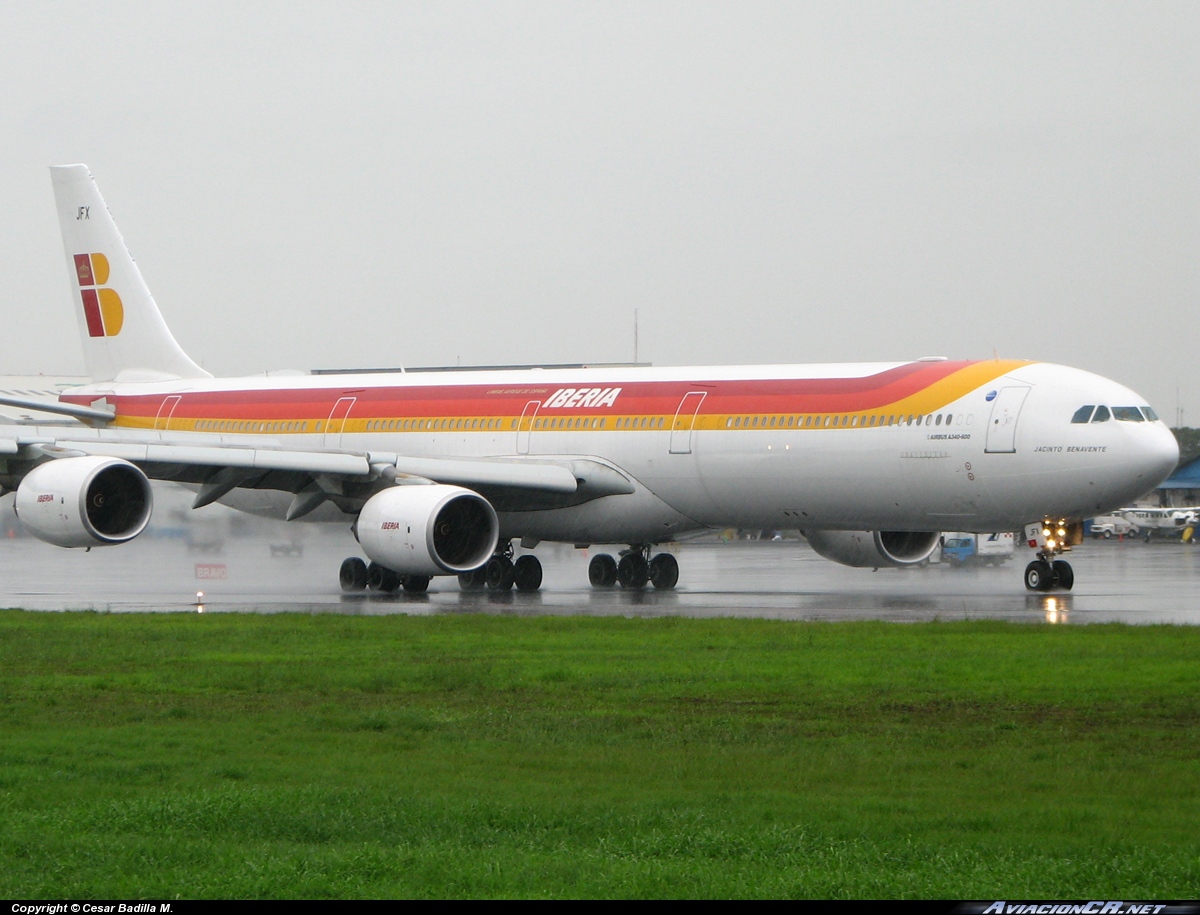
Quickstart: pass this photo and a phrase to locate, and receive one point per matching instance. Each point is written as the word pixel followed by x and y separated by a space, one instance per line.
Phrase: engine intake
pixel 874 549
pixel 85 501
pixel 428 530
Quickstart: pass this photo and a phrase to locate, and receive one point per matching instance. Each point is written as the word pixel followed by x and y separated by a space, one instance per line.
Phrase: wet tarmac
pixel 1126 581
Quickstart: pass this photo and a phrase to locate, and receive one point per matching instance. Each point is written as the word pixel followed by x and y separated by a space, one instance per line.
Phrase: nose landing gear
pixel 1052 538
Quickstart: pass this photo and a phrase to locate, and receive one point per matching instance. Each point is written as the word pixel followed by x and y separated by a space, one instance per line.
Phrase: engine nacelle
pixel 428 530
pixel 873 549
pixel 85 501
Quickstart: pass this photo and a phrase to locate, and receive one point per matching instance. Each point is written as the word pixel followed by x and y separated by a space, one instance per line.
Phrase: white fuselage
pixel 921 446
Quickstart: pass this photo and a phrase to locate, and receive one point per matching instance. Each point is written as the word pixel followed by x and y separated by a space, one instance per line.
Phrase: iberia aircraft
pixel 439 473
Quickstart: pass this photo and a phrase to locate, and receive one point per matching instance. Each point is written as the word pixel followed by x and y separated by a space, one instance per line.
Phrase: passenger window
pixel 939 419
pixel 1102 415
pixel 1128 414
pixel 1083 414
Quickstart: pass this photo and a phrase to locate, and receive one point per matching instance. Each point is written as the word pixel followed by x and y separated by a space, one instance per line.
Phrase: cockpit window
pixel 1151 416
pixel 1128 414
pixel 1083 414
pixel 1102 414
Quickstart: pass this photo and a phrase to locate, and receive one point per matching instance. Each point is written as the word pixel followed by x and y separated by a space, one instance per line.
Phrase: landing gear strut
pixel 1052 539
pixel 634 570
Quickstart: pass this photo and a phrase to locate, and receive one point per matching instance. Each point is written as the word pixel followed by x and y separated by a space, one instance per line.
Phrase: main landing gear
pixel 1046 572
pixel 503 573
pixel 356 575
pixel 635 568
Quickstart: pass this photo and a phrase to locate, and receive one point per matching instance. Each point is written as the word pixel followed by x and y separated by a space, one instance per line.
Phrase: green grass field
pixel 317 756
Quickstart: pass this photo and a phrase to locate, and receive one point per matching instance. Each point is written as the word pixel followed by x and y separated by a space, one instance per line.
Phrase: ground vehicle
pixel 1108 526
pixel 960 549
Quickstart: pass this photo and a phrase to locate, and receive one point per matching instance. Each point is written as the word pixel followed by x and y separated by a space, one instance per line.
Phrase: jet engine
pixel 873 549
pixel 84 501
pixel 428 530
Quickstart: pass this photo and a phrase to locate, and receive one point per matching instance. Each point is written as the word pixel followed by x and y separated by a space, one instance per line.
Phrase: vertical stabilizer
pixel 124 335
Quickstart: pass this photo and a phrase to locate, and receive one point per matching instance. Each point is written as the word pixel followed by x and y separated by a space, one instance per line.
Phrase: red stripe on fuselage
pixel 797 395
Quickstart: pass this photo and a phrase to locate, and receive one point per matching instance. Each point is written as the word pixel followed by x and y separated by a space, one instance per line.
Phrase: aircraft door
pixel 1002 427
pixel 685 420
pixel 337 421
pixel 165 411
pixel 525 425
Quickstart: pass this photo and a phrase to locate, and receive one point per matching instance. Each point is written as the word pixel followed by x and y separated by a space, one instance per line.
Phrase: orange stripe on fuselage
pixel 914 388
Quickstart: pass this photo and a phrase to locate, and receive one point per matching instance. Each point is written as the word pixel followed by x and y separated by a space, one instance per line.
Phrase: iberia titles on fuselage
pixel 852 446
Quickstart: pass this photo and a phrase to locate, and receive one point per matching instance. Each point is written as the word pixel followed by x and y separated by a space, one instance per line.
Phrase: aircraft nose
pixel 1157 454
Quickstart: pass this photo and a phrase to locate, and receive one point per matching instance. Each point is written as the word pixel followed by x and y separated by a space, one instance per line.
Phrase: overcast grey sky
pixel 354 184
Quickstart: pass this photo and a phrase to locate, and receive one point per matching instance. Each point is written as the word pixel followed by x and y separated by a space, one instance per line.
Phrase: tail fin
pixel 124 335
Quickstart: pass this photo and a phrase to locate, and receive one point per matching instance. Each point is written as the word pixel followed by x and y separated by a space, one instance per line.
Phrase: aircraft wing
pixel 348 479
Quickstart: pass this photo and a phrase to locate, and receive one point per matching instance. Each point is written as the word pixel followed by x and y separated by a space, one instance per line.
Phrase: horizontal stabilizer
pixel 58 409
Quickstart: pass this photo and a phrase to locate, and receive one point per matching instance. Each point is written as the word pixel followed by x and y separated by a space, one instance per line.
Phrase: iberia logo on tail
pixel 101 306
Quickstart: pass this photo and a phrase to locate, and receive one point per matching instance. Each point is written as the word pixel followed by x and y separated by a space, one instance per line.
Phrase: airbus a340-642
pixel 439 473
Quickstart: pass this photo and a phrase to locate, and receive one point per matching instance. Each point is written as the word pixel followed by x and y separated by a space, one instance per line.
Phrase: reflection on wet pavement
pixel 1129 581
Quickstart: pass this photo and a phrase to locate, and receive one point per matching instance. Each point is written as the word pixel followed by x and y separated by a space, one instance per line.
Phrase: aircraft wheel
pixel 633 571
pixel 381 578
pixel 527 573
pixel 374 575
pixel 416 584
pixel 500 573
pixel 1039 576
pixel 1064 575
pixel 475 580
pixel 602 571
pixel 353 574
pixel 664 572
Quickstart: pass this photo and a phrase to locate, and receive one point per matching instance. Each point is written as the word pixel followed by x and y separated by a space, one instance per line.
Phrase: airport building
pixel 1182 488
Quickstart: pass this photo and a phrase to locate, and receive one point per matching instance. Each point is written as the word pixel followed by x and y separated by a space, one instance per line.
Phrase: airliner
pixel 445 473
